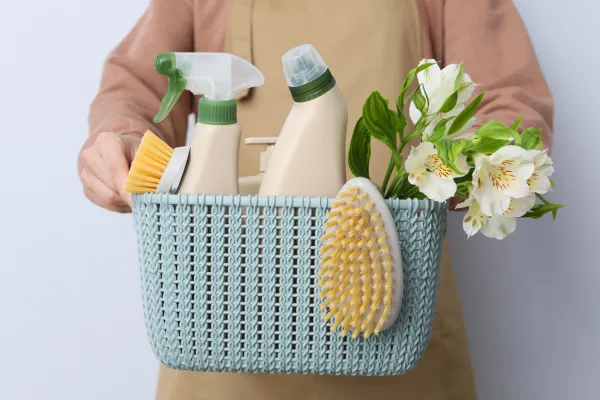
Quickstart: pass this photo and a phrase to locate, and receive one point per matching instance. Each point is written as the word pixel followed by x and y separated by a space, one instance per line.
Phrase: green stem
pixel 539 196
pixel 393 186
pixel 388 175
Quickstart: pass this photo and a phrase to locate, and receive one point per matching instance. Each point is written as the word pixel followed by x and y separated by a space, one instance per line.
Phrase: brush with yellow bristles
pixel 361 278
pixel 156 166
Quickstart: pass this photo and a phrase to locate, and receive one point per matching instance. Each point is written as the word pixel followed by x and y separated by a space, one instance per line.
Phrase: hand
pixel 103 167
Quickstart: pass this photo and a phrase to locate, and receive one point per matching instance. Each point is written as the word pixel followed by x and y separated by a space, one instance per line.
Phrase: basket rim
pixel 271 201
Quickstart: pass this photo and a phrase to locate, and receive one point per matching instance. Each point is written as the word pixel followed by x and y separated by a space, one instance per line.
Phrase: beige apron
pixel 368 45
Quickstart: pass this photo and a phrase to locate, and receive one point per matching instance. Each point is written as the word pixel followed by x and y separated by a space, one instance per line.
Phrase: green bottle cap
pixel 217 112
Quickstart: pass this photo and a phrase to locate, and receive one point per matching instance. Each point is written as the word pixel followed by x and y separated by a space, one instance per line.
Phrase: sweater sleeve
pixel 490 38
pixel 131 90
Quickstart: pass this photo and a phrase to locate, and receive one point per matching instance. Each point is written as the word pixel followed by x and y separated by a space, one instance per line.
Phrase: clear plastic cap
pixel 302 65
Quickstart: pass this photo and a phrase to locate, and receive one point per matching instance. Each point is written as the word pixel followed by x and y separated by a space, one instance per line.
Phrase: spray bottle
pixel 212 167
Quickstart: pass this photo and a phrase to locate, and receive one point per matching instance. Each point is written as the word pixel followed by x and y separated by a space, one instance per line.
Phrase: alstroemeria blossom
pixel 539 181
pixel 439 84
pixel 500 177
pixel 497 227
pixel 429 173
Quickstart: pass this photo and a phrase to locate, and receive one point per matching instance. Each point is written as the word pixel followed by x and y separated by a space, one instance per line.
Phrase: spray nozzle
pixel 217 76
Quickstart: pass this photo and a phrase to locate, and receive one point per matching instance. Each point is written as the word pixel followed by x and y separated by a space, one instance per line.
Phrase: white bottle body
pixel 250 185
pixel 212 166
pixel 309 157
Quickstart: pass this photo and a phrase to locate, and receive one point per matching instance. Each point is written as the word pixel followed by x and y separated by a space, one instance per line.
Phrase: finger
pixel 92 161
pixel 93 183
pixel 116 164
pixel 99 201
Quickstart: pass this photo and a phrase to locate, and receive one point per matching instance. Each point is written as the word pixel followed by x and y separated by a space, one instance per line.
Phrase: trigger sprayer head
pixel 166 64
pixel 217 76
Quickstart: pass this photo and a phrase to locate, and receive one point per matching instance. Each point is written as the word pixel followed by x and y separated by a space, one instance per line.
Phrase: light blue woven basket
pixel 229 284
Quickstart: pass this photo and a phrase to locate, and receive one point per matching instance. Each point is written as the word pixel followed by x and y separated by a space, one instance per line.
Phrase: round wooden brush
pixel 360 267
pixel 155 166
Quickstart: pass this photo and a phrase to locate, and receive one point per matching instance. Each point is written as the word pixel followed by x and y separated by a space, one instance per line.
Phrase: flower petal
pixel 465 94
pixel 414 113
pixel 474 220
pixel 430 77
pixel 539 183
pixel 438 189
pixel 518 207
pixel 510 152
pixel 499 227
pixel 491 201
pixel 417 156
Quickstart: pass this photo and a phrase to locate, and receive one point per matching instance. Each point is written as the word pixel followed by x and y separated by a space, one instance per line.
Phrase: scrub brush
pixel 361 266
pixel 156 167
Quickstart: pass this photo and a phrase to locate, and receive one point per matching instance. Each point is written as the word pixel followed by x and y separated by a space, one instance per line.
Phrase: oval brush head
pixel 361 266
pixel 148 165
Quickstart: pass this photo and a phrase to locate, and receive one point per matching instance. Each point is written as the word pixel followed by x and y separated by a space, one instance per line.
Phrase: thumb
pixel 131 143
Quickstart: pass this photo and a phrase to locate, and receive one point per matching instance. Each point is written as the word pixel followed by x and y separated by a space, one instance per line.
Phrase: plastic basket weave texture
pixel 229 284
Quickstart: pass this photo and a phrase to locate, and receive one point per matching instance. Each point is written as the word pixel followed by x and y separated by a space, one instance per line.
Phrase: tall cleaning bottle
pixel 212 167
pixel 309 157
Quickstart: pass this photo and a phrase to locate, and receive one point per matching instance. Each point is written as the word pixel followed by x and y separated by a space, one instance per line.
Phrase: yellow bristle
pixel 362 196
pixel 330 224
pixel 338 203
pixel 371 242
pixel 369 330
pixel 325 260
pixel 328 236
pixel 376 216
pixel 369 206
pixel 379 226
pixel 346 328
pixel 334 213
pixel 385 249
pixel 148 165
pixel 382 239
pixel 326 248
pixel 367 231
pixel 330 314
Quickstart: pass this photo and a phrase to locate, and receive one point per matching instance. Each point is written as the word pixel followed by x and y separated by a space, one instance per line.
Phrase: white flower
pixel 439 85
pixel 539 181
pixel 428 172
pixel 500 177
pixel 497 227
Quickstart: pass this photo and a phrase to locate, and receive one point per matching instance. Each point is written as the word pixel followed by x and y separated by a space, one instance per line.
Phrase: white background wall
pixel 71 325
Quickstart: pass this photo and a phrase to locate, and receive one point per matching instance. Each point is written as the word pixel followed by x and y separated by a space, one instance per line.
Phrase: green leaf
pixel 408 81
pixel 552 183
pixel 359 154
pixel 464 117
pixel 491 137
pixel 531 139
pixel 419 101
pixel 460 75
pixel 401 123
pixel 450 103
pixel 517 124
pixel 539 210
pixel 381 122
pixel 448 151
pixel 440 130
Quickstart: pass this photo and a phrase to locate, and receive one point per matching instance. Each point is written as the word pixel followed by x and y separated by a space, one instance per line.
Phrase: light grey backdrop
pixel 70 312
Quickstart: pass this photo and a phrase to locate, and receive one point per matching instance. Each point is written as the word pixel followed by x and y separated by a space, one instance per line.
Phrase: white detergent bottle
pixel 212 167
pixel 309 157
pixel 250 185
